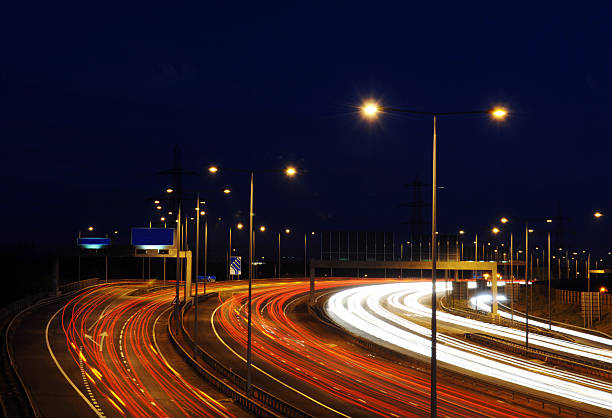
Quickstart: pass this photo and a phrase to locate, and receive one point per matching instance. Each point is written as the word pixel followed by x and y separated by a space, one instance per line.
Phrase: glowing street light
pixel 169 190
pixel 598 214
pixel 239 226
pixel 227 191
pixel 156 202
pixel 290 172
pixel 91 228
pixel 158 207
pixel 504 220
pixel 499 113
pixel 370 110
pixel 495 230
pixel 202 212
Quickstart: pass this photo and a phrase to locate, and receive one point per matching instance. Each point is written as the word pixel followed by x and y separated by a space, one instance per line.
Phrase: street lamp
pixel 287 232
pixel 370 110
pixel 598 215
pixel 289 172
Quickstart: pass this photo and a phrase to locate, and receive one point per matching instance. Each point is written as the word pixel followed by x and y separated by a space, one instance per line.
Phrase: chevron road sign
pixel 235 265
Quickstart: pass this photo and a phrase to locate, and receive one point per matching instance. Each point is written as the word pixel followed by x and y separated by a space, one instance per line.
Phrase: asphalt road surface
pixel 105 352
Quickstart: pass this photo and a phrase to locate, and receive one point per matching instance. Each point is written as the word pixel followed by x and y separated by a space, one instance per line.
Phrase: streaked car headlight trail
pixel 386 313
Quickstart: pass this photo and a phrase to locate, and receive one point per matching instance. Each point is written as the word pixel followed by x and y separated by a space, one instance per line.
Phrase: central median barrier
pixel 582 365
pixel 225 380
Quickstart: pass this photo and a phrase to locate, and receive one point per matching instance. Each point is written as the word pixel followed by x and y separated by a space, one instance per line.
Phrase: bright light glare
pixel 169 190
pixel 291 171
pixel 287 231
pixel 227 191
pixel 495 230
pixel 499 113
pixel 213 169
pixel 90 228
pixel 370 110
pixel 598 214
pixel 239 226
pixel 504 220
pixel 262 228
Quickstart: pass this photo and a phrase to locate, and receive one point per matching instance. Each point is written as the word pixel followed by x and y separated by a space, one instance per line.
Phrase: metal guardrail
pixel 592 367
pixel 237 393
pixel 485 316
pixel 17 399
pixel 503 392
pixel 564 325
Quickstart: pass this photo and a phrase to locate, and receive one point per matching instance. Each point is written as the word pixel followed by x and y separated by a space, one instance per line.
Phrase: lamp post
pixel 197 263
pixel 290 172
pixel 371 110
pixel 286 231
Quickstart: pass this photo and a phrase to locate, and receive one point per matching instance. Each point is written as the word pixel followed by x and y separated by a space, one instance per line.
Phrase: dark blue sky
pixel 94 97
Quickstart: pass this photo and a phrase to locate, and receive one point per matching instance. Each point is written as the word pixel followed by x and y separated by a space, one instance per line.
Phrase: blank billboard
pixel 153 238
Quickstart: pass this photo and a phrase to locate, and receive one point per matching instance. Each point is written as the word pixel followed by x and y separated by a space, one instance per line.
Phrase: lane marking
pixel 207 400
pixel 212 322
pixel 84 374
pixel 93 408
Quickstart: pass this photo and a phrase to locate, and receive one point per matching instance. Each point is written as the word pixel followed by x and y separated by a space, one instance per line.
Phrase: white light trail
pixel 380 312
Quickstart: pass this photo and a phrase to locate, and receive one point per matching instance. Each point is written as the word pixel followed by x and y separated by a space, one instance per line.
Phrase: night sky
pixel 95 97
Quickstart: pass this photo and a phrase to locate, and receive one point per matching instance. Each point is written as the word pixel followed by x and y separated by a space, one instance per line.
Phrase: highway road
pixel 105 352
pixel 318 370
pixel 394 315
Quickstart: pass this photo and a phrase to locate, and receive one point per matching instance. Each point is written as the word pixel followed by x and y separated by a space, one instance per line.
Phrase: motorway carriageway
pixel 111 356
pixel 319 372
pixel 393 315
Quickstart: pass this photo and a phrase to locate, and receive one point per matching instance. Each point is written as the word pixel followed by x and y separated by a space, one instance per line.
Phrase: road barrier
pixel 484 316
pixel 260 400
pixel 15 398
pixel 583 365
